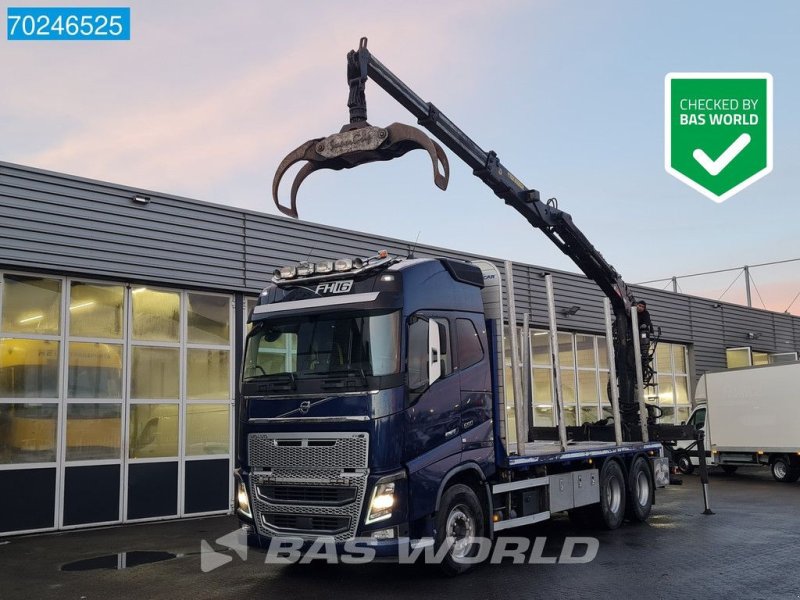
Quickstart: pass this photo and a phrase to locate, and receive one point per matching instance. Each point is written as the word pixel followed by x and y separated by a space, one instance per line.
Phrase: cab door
pixel 434 413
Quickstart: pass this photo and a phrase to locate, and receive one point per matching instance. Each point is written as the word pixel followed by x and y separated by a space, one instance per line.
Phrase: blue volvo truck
pixel 374 403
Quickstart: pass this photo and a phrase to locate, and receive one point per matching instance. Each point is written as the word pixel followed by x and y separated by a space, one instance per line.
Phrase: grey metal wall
pixel 65 224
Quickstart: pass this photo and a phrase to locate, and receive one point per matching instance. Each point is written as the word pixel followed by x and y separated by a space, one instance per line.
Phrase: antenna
pixel 414 247
pixel 310 252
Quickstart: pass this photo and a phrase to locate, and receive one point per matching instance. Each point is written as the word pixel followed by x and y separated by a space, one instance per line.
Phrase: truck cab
pixel 365 385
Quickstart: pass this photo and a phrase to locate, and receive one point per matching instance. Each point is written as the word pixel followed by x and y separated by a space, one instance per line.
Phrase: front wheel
pixel 459 522
pixel 783 471
pixel 684 462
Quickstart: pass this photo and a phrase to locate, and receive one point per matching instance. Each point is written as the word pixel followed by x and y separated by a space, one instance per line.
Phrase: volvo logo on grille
pixel 305 405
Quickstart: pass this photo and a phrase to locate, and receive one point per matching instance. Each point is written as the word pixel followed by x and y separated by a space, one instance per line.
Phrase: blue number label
pixel 68 23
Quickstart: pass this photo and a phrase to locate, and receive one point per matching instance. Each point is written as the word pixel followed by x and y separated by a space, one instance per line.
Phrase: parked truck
pixel 373 401
pixel 750 417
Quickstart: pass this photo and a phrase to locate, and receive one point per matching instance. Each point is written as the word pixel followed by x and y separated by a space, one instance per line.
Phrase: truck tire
pixel 640 490
pixel 782 470
pixel 610 511
pixel 684 462
pixel 729 469
pixel 460 520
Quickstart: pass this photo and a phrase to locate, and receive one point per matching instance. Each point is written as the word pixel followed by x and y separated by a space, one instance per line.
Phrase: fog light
pixel 326 266
pixel 242 499
pixel 343 264
pixel 286 272
pixel 384 534
pixel 305 269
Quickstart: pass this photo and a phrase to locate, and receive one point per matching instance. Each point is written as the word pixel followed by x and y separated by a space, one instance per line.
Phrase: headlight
pixel 383 499
pixel 242 499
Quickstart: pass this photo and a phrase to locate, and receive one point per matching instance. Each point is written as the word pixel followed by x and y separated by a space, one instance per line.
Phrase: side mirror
pixel 434 352
pixel 683 422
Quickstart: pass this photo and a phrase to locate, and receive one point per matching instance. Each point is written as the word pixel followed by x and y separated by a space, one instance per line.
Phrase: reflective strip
pixel 315 303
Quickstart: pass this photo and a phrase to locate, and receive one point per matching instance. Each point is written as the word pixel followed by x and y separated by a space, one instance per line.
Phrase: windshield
pixel 324 346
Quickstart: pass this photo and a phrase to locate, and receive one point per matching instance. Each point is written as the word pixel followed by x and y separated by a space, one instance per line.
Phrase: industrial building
pixel 123 314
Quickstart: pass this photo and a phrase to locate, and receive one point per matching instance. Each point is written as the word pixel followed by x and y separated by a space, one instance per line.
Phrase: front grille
pixel 308 524
pixel 308 485
pixel 314 451
pixel 304 494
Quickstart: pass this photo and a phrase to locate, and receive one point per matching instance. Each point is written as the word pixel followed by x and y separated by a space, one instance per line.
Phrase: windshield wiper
pixel 274 382
pixel 345 378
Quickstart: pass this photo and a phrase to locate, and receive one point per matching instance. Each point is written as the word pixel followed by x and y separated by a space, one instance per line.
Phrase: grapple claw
pixel 355 145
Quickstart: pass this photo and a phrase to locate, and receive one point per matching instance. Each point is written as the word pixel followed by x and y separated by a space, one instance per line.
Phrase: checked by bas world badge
pixel 718 130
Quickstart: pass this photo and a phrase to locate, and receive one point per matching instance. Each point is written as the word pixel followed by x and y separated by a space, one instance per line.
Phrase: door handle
pixel 451 433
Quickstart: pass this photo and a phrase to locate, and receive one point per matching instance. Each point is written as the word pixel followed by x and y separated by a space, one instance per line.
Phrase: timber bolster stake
pixel 358 144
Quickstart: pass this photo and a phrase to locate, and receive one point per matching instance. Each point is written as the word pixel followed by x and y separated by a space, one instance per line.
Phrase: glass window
pixel 470 350
pixel 602 352
pixel 156 315
pixel 699 418
pixel 663 360
pixel 209 319
pixel 95 310
pixel 570 416
pixel 568 391
pixel 738 357
pixel 584 350
pixel 565 356
pixel 540 347
pixel 760 358
pixel 587 388
pixel 93 431
pixel 681 414
pixel 681 390
pixel 417 353
pixel 28 433
pixel 28 368
pixel 95 370
pixel 155 373
pixel 208 374
pixel 543 415
pixel 31 305
pixel 207 429
pixel 542 386
pixel 606 412
pixel 679 358
pixel 333 344
pixel 665 393
pixel 153 431
pixel 446 356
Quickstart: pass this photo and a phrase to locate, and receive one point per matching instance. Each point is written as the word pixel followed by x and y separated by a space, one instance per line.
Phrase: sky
pixel 208 96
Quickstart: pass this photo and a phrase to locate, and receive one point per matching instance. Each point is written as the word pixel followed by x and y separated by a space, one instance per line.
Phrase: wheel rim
pixel 683 463
pixel 780 469
pixel 642 488
pixel 614 495
pixel 460 531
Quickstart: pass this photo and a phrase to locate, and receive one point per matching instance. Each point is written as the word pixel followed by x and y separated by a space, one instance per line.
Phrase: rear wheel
pixel 610 511
pixel 459 522
pixel 640 490
pixel 782 470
